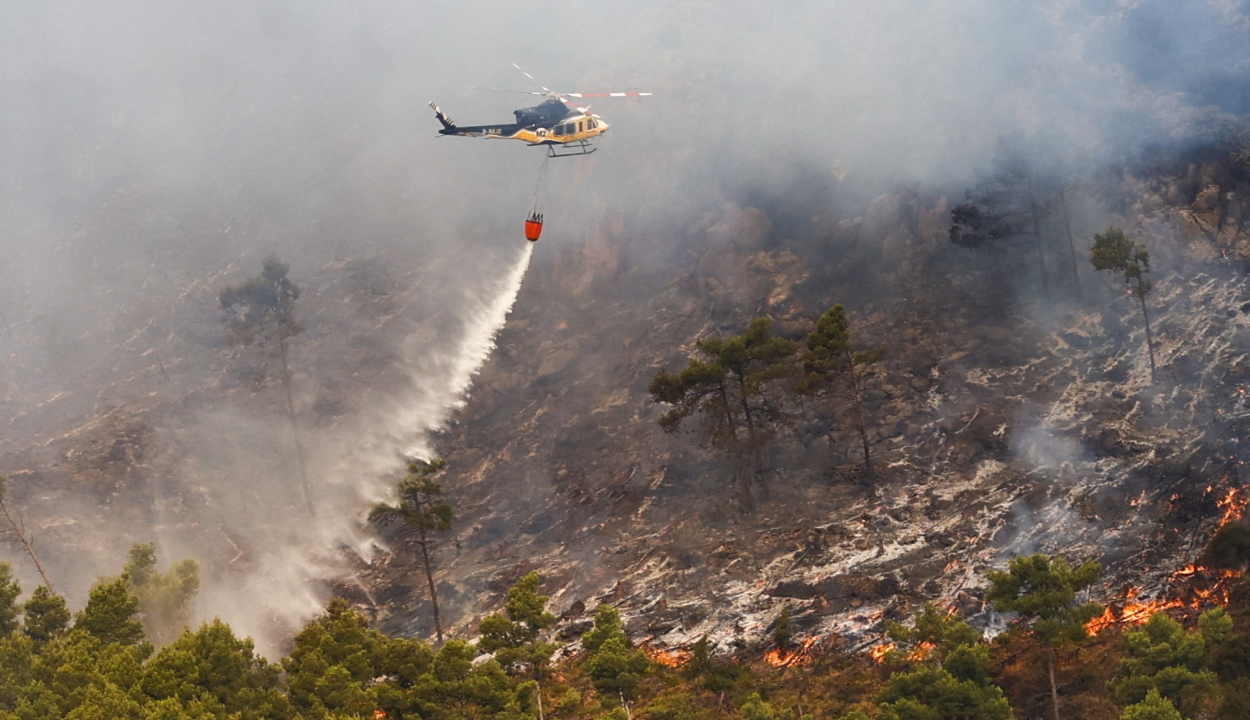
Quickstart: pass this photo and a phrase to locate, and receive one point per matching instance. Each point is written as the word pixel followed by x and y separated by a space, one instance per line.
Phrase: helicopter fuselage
pixel 549 123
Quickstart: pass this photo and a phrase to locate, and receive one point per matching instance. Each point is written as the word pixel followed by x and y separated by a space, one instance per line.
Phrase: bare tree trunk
pixel 17 530
pixel 743 480
pixel 429 578
pixel 856 396
pixel 1054 689
pixel 757 464
pixel 1037 239
pixel 1150 345
pixel 299 446
pixel 1067 226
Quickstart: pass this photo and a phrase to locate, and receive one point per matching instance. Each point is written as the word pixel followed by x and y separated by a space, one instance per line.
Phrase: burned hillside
pixel 1003 421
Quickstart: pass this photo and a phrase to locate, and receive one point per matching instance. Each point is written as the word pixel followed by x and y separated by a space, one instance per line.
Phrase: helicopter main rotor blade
pixel 615 94
pixel 563 96
pixel 531 77
pixel 519 92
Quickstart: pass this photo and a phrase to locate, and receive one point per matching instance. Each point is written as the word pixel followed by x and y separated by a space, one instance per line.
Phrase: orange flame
pixel 780 658
pixel 1130 612
pixel 672 658
pixel 1206 587
pixel 878 652
pixel 1234 507
pixel 922 651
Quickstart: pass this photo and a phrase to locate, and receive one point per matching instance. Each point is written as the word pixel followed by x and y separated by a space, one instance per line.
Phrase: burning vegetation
pixel 787 657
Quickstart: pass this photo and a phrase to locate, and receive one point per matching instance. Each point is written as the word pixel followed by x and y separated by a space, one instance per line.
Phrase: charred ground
pixel 1005 421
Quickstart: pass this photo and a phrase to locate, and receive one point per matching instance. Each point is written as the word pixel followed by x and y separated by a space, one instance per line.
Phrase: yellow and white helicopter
pixel 557 122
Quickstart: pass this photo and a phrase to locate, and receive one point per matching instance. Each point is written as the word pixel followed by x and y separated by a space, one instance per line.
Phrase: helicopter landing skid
pixel 580 147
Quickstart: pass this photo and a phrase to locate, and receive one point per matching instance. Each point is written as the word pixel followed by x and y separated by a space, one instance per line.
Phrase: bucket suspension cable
pixel 534 223
pixel 538 185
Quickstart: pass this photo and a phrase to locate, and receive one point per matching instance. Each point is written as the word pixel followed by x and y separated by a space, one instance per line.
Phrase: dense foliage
pixel 98 663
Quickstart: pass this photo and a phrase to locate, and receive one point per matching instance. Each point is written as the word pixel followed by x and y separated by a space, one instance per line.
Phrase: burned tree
pixel 420 516
pixel 727 389
pixel 261 311
pixel 1117 253
pixel 831 359
pixel 1006 207
pixel 14 530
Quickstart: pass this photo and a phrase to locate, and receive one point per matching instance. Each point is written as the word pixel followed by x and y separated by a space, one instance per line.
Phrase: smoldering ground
pixel 153 153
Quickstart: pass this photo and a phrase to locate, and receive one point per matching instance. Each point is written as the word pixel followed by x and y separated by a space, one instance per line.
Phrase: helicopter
pixel 554 123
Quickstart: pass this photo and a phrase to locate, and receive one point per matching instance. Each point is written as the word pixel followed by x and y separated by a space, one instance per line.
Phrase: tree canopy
pixel 1117 253
pixel 727 387
pixel 419 516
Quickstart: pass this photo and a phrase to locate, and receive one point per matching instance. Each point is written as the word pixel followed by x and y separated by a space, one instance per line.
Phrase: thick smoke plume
pixel 151 153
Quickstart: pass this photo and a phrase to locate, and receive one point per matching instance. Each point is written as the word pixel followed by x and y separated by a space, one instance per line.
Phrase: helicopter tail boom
pixel 448 123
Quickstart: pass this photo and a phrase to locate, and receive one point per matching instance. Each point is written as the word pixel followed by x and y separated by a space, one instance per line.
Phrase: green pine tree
pixel 514 636
pixel 9 592
pixel 1163 656
pixel 615 668
pixel 831 359
pixel 213 667
pixel 47 615
pixel 333 662
pixel 945 673
pixel 1043 591
pixel 1153 707
pixel 420 515
pixel 164 598
pixel 783 636
pixel 110 613
pixel 1117 253
pixel 728 389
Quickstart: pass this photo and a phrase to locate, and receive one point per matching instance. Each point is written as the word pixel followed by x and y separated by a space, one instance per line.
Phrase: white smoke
pixel 279 582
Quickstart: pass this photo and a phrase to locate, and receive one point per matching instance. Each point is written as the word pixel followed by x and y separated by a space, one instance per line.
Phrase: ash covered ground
pixel 1004 421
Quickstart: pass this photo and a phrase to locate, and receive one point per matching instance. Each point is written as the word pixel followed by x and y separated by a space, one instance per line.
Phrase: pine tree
pixel 727 389
pixel 615 668
pixel 110 613
pixel 1117 253
pixel 1154 707
pixel 421 516
pixel 212 666
pixel 1043 591
pixel 946 673
pixel 783 635
pixel 1004 207
pixel 831 357
pixel 164 598
pixel 47 615
pixel 514 636
pixel 1164 657
pixel 261 310
pixel 333 661
pixel 9 592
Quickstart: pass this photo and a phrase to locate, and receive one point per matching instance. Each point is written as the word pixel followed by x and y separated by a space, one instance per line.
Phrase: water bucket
pixel 533 227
